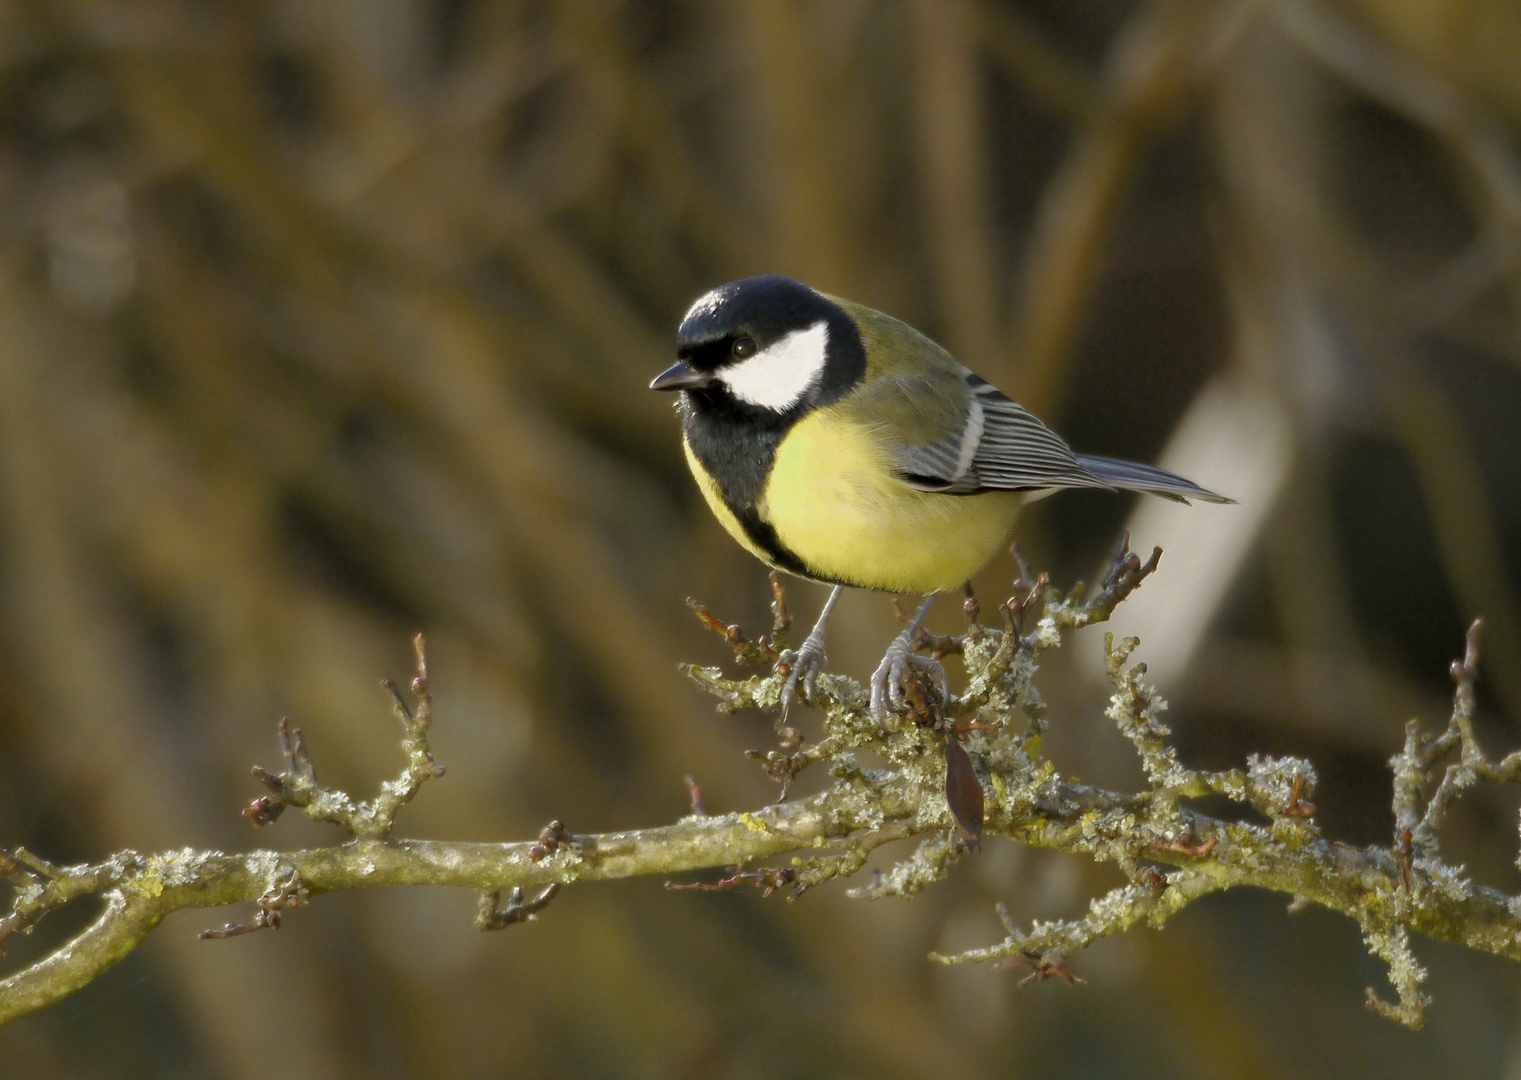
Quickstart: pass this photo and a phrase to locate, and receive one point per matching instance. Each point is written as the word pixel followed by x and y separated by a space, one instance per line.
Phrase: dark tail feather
pixel 1133 476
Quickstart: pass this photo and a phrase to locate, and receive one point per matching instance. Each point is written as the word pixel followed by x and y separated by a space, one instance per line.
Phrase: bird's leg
pixel 887 680
pixel 806 663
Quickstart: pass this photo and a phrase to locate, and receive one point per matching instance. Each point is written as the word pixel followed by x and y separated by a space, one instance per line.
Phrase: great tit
pixel 841 445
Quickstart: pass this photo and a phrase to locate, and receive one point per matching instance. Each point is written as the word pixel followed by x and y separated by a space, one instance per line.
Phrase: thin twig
pixel 1390 893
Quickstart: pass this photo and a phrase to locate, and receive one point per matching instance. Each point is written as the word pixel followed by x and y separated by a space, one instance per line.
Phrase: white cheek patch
pixel 776 377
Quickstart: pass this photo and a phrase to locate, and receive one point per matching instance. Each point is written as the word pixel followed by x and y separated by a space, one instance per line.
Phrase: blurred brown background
pixel 325 321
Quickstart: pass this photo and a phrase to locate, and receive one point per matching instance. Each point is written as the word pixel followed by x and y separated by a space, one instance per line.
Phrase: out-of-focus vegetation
pixel 324 322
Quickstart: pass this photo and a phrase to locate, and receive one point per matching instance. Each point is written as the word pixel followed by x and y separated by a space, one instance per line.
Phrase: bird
pixel 838 444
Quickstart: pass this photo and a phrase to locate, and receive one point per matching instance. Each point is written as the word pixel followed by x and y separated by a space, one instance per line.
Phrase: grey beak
pixel 681 376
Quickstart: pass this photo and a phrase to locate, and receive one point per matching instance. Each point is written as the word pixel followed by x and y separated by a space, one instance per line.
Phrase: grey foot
pixel 887 680
pixel 805 664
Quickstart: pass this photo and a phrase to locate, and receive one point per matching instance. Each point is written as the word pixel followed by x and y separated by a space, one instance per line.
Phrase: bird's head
pixel 769 343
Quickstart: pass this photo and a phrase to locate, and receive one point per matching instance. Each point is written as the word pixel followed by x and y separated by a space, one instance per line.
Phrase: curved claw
pixel 806 663
pixel 887 681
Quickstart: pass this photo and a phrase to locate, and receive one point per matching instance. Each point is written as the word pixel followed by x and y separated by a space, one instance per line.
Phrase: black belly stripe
pixel 763 536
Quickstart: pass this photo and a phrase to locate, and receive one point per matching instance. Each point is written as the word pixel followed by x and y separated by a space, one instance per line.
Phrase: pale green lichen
pixel 1392 945
pixel 1387 891
pixel 929 863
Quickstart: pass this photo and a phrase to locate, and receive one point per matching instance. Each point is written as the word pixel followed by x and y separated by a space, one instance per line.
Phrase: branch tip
pixel 757 653
pixel 280 898
pixel 694 796
pixel 550 839
pixel 38 866
pixel 518 910
pixel 767 879
pixel 266 809
pixel 970 610
pixel 420 650
pixel 398 703
pixel 1042 966
pixel 781 620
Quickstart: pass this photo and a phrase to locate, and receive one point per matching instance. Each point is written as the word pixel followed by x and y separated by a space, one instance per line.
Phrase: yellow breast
pixel 836 503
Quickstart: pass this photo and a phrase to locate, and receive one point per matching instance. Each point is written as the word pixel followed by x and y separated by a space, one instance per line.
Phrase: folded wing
pixel 1001 447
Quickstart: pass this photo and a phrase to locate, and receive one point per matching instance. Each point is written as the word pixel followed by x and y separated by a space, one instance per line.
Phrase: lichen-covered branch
pixel 1171 853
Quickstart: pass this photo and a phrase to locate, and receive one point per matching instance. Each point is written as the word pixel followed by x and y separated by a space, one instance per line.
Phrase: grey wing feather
pixel 1133 476
pixel 1001 447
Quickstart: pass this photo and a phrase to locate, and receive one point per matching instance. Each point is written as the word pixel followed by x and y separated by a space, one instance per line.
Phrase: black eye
pixel 743 347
